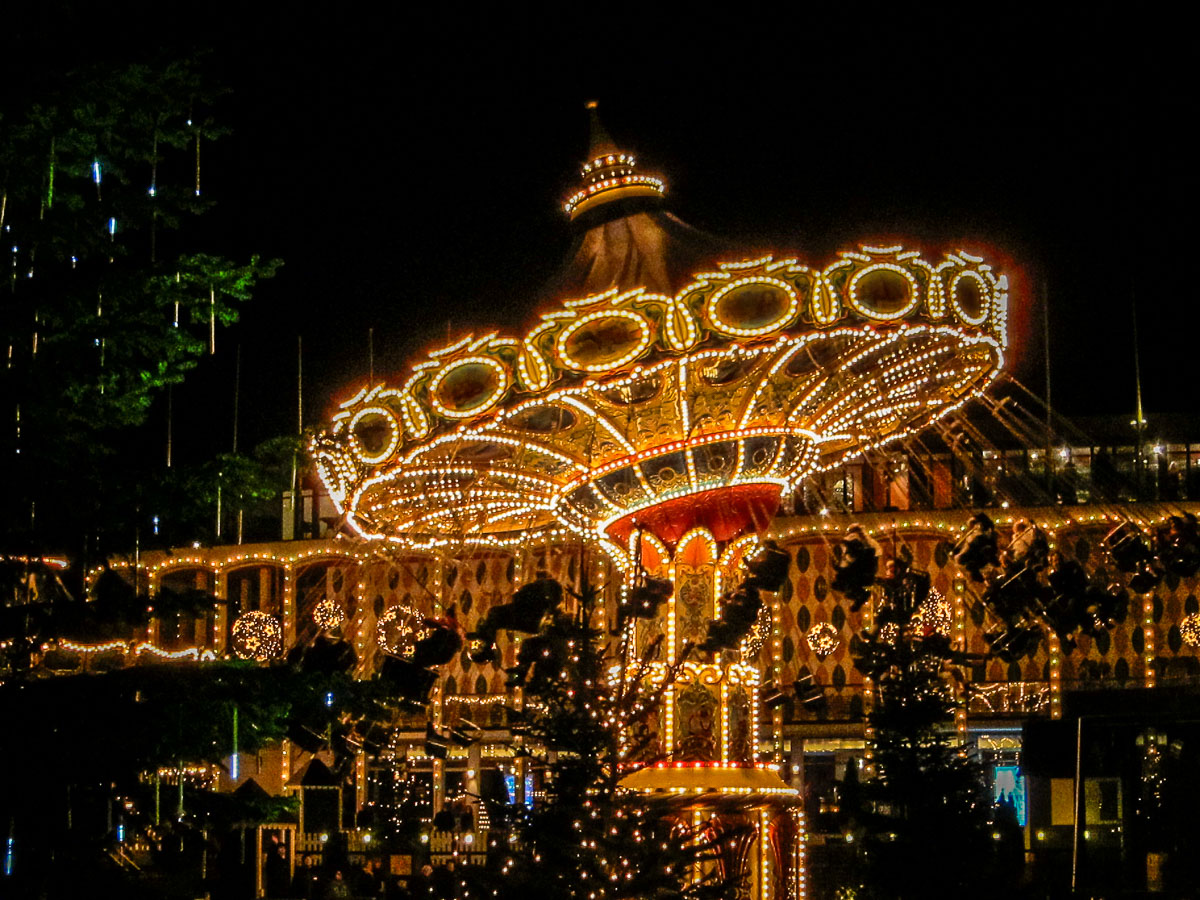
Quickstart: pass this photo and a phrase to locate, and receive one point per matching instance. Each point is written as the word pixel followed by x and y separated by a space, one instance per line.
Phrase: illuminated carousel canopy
pixel 756 374
pixel 662 400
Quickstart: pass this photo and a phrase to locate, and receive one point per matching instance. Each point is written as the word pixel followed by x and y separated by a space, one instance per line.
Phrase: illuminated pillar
pixel 221 619
pixel 765 874
pixel 776 673
pixel 799 876
pixel 258 862
pixel 1150 675
pixel 960 644
pixel 1055 673
pixel 357 622
pixel 289 605
pixel 869 698
pixel 439 766
pixel 360 780
pixel 725 721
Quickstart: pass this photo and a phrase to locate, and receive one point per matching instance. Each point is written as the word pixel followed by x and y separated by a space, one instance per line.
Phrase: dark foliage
pixel 110 300
pixel 921 824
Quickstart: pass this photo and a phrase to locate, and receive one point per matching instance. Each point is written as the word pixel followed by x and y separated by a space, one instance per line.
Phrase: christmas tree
pixel 586 705
pixel 921 818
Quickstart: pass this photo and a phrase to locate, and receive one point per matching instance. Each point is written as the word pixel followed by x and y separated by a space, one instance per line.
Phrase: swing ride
pixel 661 410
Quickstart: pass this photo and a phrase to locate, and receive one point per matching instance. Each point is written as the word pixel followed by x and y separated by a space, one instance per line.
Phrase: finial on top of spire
pixel 600 142
pixel 609 173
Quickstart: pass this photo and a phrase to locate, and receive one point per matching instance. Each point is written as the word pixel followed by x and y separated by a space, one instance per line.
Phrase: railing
pixel 470 846
pixel 1022 698
pixel 316 841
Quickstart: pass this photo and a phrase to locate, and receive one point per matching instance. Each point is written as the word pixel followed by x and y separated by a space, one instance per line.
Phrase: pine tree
pixel 589 838
pixel 108 300
pixel 921 823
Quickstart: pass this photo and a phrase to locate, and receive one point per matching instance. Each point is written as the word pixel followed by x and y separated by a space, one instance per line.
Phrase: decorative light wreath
pixel 399 629
pixel 1189 629
pixel 823 639
pixel 328 614
pixel 257 635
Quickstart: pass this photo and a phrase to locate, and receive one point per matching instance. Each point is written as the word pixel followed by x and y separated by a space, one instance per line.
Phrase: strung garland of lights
pixel 1010 696
pixel 257 635
pixel 329 614
pixel 399 629
pixel 132 648
pixel 823 639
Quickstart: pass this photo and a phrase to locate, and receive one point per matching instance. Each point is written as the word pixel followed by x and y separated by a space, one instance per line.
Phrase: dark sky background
pixel 408 166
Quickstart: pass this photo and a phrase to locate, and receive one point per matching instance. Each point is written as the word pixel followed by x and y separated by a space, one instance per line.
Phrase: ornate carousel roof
pixel 661 398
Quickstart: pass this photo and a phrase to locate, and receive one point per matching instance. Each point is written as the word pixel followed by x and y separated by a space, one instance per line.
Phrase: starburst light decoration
pixel 760 632
pixel 328 614
pixel 823 639
pixel 257 635
pixel 1189 629
pixel 399 629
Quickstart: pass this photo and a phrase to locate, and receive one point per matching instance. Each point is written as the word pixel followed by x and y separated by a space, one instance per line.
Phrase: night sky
pixel 408 167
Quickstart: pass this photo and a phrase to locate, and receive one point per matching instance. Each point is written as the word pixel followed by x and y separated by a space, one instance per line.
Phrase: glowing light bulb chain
pixel 197 160
pixel 234 767
pixel 49 201
pixel 153 191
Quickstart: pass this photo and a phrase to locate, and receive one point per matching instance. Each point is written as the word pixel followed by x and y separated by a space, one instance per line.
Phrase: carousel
pixel 661 410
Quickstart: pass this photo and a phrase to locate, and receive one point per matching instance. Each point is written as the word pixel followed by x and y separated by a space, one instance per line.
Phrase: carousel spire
pixel 600 142
pixel 610 174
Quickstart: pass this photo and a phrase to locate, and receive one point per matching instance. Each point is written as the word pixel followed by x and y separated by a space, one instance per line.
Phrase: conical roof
pixel 624 237
pixel 317 774
pixel 250 790
pixel 600 142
